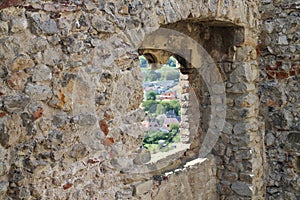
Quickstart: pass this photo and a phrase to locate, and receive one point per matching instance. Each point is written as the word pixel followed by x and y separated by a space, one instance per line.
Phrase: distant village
pixel 164 92
pixel 162 105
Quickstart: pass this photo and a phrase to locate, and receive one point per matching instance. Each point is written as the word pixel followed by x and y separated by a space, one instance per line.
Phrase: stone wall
pixel 70 122
pixel 194 180
pixel 279 90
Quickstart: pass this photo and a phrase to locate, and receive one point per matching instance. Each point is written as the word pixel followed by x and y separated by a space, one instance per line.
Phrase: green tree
pixel 174 128
pixel 175 104
pixel 153 76
pixel 160 109
pixel 151 95
pixel 172 75
pixel 171 105
pixel 149 105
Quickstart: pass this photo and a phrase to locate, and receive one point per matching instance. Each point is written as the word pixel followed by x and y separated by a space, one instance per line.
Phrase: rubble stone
pixel 71 90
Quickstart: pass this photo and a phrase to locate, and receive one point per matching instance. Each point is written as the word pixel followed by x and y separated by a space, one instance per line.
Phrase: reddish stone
pixel 271 75
pixel 67 186
pixel 37 114
pixel 2 114
pixel 17 80
pixel 91 161
pixel 103 126
pixel 124 10
pixel 272 67
pixel 9 3
pixel 258 51
pixel 278 64
pixel 292 73
pixel 282 75
pixel 272 103
pixel 109 141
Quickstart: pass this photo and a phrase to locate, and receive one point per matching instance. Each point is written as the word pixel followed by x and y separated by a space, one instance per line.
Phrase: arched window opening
pixel 162 94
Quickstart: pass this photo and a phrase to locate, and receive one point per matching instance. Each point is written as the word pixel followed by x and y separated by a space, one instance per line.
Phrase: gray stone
pixel 16 103
pixel 51 57
pixel 3 188
pixel 60 119
pixel 3 28
pixel 4 136
pixel 243 155
pixel 283 40
pixel 41 73
pixel 242 189
pixel 38 91
pixel 43 23
pixel 270 139
pixel 269 26
pixel 84 120
pixel 144 187
pixel 24 193
pixel 18 24
pixel 142 158
pixel 3 169
pixel 102 25
pixel 78 151
pixel 37 44
pixel 102 56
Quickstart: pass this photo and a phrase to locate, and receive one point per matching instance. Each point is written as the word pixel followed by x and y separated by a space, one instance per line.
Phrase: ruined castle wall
pixel 280 95
pixel 70 122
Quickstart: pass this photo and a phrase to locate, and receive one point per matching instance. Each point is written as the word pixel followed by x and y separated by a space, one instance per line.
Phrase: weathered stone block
pixel 78 151
pixel 3 188
pixel 3 28
pixel 242 189
pixel 42 23
pixel 102 25
pixel 16 103
pixel 38 91
pixel 41 73
pixel 144 187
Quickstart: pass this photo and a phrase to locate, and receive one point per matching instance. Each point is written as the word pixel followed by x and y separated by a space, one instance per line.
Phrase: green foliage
pixel 174 128
pixel 151 95
pixel 152 76
pixel 171 75
pixel 171 105
pixel 169 137
pixel 149 106
pixel 164 73
pixel 160 109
